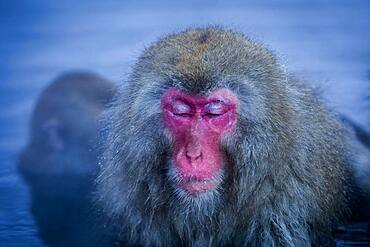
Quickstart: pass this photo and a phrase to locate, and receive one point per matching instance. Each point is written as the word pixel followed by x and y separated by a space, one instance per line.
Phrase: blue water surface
pixel 326 42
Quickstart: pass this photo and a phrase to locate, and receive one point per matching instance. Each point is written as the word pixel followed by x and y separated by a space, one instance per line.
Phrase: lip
pixel 198 186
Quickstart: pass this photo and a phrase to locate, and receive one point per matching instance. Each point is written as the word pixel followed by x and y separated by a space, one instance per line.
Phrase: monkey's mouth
pixel 196 186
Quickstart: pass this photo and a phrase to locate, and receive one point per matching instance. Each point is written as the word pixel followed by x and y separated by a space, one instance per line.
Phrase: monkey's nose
pixel 193 153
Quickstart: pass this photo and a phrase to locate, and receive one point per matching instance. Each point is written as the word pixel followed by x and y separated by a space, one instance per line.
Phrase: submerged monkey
pixel 59 163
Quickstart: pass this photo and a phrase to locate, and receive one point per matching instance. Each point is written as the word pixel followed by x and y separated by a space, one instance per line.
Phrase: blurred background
pixel 325 42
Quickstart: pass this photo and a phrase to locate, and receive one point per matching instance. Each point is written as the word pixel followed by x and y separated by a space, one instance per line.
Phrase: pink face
pixel 197 124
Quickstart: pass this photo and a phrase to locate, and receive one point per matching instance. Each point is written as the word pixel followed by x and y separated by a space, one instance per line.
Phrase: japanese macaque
pixel 212 143
pixel 64 125
pixel 60 162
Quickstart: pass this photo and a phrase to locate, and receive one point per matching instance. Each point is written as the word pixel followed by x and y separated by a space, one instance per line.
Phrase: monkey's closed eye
pixel 212 115
pixel 215 109
pixel 183 114
pixel 180 108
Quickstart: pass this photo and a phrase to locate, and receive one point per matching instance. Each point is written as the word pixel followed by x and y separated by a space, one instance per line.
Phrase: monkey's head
pixel 64 124
pixel 193 102
pixel 209 124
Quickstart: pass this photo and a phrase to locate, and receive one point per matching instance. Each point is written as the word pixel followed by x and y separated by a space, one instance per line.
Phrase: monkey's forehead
pixel 202 57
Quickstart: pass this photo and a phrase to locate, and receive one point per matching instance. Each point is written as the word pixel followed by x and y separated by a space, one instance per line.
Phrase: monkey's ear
pixel 52 129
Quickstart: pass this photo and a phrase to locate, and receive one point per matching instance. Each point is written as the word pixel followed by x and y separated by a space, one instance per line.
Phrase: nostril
pixel 194 154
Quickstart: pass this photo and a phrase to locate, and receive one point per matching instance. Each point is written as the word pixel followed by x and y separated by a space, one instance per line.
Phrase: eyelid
pixel 216 108
pixel 180 107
